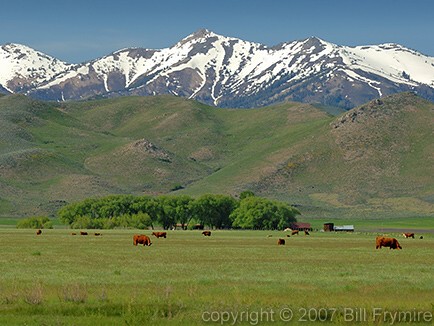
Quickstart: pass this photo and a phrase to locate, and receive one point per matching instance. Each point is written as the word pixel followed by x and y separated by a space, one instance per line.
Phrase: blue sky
pixel 77 30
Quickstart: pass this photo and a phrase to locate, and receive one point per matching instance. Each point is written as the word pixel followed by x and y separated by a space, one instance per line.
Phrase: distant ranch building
pixel 344 228
pixel 329 227
pixel 301 226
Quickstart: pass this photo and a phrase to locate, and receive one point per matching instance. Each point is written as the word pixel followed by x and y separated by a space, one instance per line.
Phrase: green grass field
pixel 188 279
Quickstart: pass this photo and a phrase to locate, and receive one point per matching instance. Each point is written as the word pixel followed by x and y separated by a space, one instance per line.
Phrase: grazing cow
pixel 159 234
pixel 141 239
pixel 39 232
pixel 294 232
pixel 83 233
pixel 281 242
pixel 408 235
pixel 97 234
pixel 392 243
pixel 306 232
pixel 206 233
pixel 287 229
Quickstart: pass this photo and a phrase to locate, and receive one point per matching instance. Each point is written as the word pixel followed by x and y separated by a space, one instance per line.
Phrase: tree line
pixel 35 222
pixel 210 210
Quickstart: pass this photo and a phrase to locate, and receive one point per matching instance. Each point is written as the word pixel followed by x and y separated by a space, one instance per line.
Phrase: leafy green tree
pixel 246 193
pixel 140 221
pixel 82 222
pixel 179 208
pixel 262 213
pixel 112 206
pixel 166 214
pixel 214 210
pixel 109 223
pixel 88 208
pixel 154 210
pixel 69 213
pixel 137 221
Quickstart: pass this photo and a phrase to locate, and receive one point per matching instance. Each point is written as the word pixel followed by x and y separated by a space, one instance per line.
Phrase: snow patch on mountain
pixel 22 62
pixel 392 62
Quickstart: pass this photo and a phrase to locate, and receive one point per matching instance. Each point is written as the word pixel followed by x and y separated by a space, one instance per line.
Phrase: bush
pixel 82 222
pixel 108 223
pixel 35 222
pixel 140 221
pixel 137 221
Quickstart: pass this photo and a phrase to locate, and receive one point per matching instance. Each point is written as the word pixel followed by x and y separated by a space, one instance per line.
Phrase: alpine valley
pixel 226 72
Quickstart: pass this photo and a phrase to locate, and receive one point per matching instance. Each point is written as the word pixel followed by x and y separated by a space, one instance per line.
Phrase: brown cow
pixel 73 233
pixel 392 243
pixel 159 234
pixel 206 233
pixel 293 232
pixel 83 233
pixel 281 242
pixel 306 232
pixel 408 235
pixel 39 232
pixel 141 239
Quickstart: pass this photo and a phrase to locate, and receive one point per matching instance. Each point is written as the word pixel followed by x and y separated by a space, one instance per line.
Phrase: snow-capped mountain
pixel 23 68
pixel 227 72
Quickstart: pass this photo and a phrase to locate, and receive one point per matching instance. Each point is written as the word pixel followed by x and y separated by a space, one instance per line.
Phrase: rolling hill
pixel 373 161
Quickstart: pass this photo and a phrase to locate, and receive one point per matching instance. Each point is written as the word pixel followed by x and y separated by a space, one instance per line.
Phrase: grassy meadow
pixel 187 279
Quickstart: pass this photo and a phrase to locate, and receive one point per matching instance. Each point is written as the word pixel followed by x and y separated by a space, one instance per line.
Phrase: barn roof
pixel 300 225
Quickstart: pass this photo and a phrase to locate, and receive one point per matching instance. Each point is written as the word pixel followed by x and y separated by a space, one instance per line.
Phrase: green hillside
pixel 375 160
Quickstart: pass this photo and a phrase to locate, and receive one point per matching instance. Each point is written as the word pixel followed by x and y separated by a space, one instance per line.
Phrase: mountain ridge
pixel 226 72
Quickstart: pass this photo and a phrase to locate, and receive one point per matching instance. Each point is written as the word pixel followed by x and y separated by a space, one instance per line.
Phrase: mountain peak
pixel 16 48
pixel 13 45
pixel 203 32
pixel 316 41
pixel 198 35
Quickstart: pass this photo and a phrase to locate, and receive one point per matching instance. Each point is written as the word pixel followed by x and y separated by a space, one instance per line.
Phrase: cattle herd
pixel 380 241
